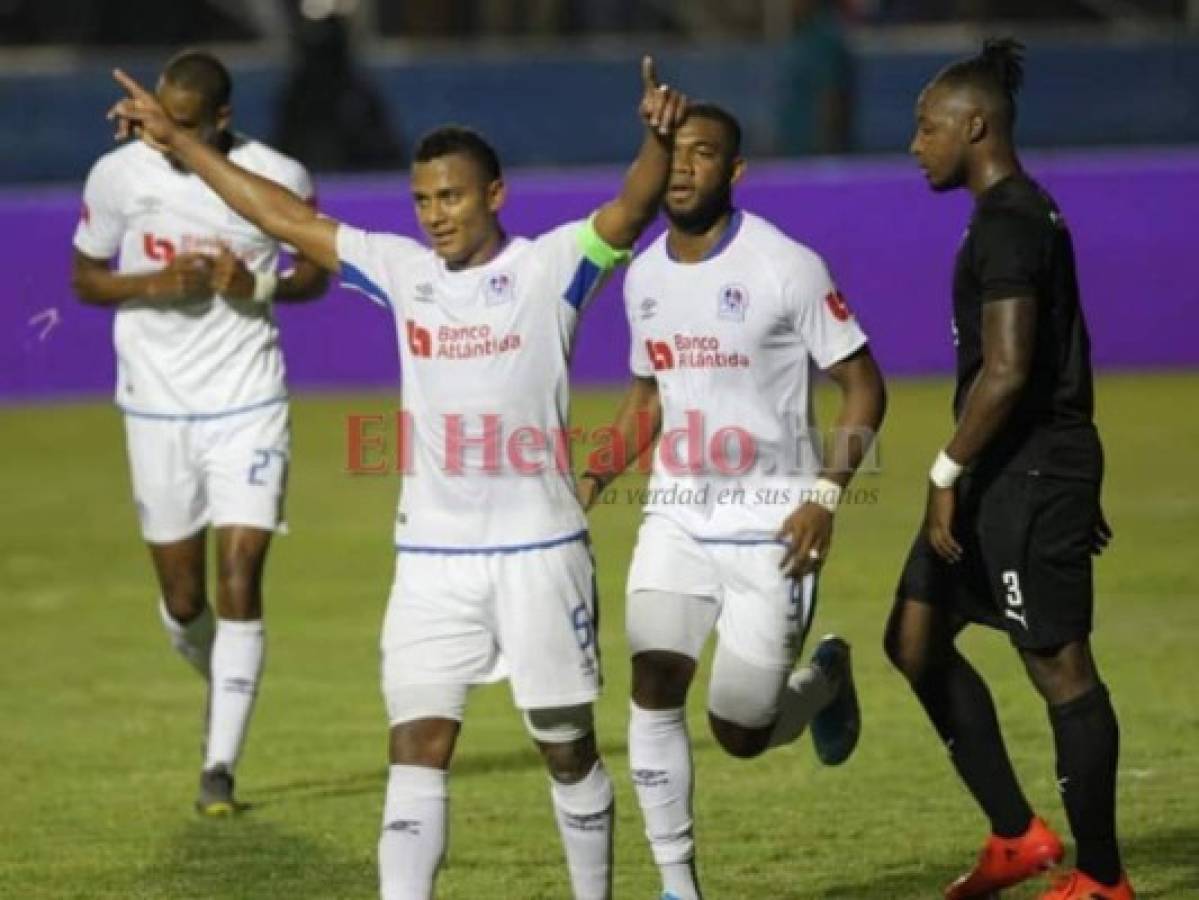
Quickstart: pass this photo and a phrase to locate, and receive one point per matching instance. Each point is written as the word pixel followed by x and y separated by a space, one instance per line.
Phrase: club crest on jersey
pixel 732 303
pixel 498 288
pixel 649 308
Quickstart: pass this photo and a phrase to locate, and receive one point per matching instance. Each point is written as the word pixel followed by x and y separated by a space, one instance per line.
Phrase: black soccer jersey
pixel 1018 245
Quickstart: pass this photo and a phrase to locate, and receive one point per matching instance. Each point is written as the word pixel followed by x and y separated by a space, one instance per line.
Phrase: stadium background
pixel 94 755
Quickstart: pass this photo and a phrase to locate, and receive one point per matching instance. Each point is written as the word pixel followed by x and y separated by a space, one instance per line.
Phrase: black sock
pixel 960 706
pixel 1087 738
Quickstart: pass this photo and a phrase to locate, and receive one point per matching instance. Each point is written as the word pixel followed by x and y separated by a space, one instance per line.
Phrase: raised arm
pixel 273 208
pixel 634 430
pixel 620 221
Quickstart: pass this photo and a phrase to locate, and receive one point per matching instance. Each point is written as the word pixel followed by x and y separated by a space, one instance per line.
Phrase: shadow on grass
pixel 372 782
pixel 247 859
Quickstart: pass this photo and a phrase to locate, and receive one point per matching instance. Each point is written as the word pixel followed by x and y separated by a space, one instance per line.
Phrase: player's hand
pixel 140 113
pixel 938 523
pixel 1103 535
pixel 231 278
pixel 807 533
pixel 662 108
pixel 188 276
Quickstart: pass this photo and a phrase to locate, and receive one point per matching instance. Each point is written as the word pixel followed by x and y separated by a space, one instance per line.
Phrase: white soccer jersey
pixel 483 358
pixel 730 340
pixel 197 358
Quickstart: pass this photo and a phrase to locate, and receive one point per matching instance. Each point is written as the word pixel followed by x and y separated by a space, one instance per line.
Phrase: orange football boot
pixel 1079 886
pixel 1004 862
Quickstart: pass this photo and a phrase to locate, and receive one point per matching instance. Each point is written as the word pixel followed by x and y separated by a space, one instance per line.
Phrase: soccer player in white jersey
pixel 493 572
pixel 727 315
pixel 200 381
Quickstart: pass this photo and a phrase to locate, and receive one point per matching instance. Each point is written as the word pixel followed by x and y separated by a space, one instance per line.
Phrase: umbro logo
pixel 649 308
pixel 147 206
pixel 650 777
pixel 423 293
pixel 404 826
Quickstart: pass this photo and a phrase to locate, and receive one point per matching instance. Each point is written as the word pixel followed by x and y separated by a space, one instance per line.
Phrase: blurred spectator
pixel 332 118
pixel 818 83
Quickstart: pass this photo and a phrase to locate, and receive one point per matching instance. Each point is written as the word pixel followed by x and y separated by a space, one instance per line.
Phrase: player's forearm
pixel 621 222
pixel 266 204
pixel 990 402
pixel 633 430
pixel 863 407
pixel 104 288
pixel 306 281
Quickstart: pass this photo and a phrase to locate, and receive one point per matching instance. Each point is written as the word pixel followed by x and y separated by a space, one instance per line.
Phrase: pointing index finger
pixel 127 81
pixel 648 77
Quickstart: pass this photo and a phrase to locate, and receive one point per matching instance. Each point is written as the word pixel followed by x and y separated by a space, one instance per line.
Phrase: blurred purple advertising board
pixel 888 239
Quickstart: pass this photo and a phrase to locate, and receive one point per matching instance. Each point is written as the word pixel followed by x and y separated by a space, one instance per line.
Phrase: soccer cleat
pixel 1079 886
pixel 836 728
pixel 216 793
pixel 1004 862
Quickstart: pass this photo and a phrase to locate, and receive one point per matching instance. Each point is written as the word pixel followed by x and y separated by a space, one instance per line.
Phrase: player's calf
pixel 582 795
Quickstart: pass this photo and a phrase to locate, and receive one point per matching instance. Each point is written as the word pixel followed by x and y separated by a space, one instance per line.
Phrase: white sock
pixel 807 691
pixel 412 841
pixel 660 760
pixel 193 640
pixel 237 656
pixel 584 813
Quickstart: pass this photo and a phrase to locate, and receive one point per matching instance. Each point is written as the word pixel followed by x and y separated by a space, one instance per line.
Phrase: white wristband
pixel 826 493
pixel 265 284
pixel 944 471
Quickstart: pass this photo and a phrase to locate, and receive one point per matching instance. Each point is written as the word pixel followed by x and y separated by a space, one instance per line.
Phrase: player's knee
pixel 908 651
pixel 425 720
pixel 737 740
pixel 566 738
pixel 1062 673
pixel 184 597
pixel 661 679
pixel 240 579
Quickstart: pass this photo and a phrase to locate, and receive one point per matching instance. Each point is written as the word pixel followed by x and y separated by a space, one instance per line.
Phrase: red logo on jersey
pixel 838 307
pixel 158 248
pixel 420 342
pixel 660 355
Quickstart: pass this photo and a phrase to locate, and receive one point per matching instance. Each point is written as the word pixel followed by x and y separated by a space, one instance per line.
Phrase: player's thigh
pixel 169 488
pixel 546 608
pixel 673 594
pixel 766 615
pixel 246 461
pixel 1037 533
pixel 439 628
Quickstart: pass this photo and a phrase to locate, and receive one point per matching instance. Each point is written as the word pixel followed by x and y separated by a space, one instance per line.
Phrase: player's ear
pixel 224 116
pixel 739 165
pixel 976 128
pixel 497 193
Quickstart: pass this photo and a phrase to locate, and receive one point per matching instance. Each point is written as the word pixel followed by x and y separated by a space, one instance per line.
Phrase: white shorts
pixel 228 470
pixel 764 615
pixel 474 618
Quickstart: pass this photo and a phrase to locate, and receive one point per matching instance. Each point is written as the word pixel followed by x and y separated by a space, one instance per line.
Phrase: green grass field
pixel 99 720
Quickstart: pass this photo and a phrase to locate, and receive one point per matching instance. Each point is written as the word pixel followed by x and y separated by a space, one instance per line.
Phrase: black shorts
pixel 1026 562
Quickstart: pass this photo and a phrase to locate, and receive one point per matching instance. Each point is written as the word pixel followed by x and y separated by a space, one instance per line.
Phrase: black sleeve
pixel 1009 252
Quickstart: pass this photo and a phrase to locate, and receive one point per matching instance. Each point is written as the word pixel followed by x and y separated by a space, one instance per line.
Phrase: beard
pixel 704 214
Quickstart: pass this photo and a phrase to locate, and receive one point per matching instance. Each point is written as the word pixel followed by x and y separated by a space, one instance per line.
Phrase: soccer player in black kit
pixel 1013 513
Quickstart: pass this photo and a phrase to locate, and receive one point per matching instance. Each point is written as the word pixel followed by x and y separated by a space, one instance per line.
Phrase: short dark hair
pixel 451 139
pixel 202 72
pixel 997 71
pixel 716 113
